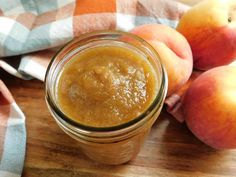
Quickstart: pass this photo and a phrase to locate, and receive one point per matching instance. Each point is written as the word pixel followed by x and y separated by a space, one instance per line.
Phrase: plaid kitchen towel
pixel 12 135
pixel 32 31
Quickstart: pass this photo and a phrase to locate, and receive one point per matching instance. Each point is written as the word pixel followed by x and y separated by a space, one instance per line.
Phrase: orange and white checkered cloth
pixel 32 31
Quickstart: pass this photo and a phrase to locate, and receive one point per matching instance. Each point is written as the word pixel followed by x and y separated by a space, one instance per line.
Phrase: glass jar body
pixel 110 145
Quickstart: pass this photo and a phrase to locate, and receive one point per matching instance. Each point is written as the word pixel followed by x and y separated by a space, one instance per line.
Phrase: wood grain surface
pixel 171 150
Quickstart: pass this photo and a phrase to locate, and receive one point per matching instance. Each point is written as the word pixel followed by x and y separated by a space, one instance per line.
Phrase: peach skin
pixel 174 52
pixel 209 107
pixel 210 28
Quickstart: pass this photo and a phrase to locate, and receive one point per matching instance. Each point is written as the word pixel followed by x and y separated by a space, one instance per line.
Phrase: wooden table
pixel 171 150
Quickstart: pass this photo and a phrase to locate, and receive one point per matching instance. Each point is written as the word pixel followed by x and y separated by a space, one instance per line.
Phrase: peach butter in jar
pixel 106 89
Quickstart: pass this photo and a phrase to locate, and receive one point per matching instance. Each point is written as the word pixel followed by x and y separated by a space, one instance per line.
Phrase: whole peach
pixel 210 28
pixel 173 49
pixel 209 107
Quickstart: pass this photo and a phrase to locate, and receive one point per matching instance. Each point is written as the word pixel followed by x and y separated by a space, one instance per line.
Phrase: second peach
pixel 174 52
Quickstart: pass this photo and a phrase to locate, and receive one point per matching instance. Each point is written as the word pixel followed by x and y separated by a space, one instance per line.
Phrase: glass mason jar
pixel 109 145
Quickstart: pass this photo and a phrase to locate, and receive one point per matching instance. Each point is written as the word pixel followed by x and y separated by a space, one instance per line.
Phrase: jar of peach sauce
pixel 113 144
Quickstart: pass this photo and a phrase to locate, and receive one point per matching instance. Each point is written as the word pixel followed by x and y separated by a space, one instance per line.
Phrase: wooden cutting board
pixel 171 150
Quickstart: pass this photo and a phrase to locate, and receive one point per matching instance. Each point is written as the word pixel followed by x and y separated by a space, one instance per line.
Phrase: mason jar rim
pixel 161 93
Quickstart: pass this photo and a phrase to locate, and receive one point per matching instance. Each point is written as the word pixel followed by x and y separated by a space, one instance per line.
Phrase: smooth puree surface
pixel 106 86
